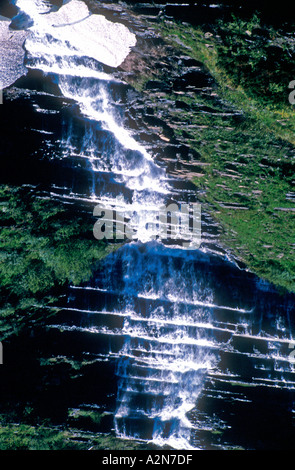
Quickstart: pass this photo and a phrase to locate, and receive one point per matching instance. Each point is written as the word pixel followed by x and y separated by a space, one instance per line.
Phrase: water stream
pixel 195 338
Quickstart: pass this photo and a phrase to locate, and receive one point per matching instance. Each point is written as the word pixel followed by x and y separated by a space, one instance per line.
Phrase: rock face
pixel 93 35
pixel 250 387
pixel 12 53
pixel 90 35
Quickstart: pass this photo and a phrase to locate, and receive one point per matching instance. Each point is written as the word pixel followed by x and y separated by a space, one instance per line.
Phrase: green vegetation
pixel 26 437
pixel 94 417
pixel 259 58
pixel 245 138
pixel 40 407
pixel 232 53
pixel 43 247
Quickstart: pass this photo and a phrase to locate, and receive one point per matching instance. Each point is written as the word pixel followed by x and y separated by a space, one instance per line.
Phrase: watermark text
pixel 292 94
pixel 291 355
pixel 175 222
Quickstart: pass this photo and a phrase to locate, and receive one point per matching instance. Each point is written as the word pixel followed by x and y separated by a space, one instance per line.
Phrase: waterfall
pixel 165 314
pixel 165 354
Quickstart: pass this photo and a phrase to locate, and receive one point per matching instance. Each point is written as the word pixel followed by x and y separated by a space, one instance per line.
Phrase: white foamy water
pixel 71 45
pixel 77 31
pixel 174 318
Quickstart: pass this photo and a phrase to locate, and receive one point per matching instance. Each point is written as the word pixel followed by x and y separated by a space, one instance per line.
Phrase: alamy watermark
pixel 292 94
pixel 291 355
pixel 1 353
pixel 1 93
pixel 179 223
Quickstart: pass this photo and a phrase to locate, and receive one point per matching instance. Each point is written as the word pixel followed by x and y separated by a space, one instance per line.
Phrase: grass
pixel 262 93
pixel 27 437
pixel 249 177
pixel 43 248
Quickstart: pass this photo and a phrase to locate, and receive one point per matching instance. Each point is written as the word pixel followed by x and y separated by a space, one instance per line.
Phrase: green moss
pixel 94 416
pixel 264 97
pixel 249 160
pixel 26 437
pixel 43 248
pixel 259 58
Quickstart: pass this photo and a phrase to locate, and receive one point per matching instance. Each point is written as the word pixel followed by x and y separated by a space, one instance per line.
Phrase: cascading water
pixel 165 354
pixel 179 323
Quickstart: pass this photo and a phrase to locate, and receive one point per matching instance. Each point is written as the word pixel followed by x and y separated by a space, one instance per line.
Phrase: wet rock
pixel 275 51
pixel 262 32
pixel 285 209
pixel 21 21
pixel 11 54
pixel 195 78
pixel 188 61
pixel 7 9
pixel 157 85
pixel 182 105
pixel 56 4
